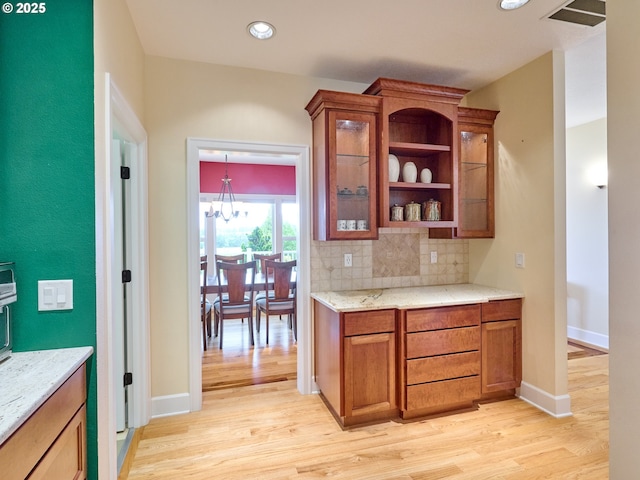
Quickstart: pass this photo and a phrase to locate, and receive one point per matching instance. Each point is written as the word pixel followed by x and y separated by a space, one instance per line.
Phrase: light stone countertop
pixel 28 379
pixel 412 297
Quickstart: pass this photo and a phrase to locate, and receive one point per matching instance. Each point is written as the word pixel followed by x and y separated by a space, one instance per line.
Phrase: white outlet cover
pixel 55 295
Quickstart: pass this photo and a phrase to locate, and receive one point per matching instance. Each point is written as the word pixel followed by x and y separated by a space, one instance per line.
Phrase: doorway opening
pixel 257 153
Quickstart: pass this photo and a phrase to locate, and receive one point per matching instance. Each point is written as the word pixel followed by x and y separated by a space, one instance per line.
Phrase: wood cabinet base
pixel 388 364
pixel 362 418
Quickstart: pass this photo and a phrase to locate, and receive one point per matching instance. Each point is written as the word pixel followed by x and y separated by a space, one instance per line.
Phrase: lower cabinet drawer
pixel 442 342
pixel 363 323
pixel 502 310
pixel 431 369
pixel 443 317
pixel 446 392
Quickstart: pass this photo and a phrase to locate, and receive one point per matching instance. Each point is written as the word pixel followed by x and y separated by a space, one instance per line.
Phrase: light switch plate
pixel 519 260
pixel 55 295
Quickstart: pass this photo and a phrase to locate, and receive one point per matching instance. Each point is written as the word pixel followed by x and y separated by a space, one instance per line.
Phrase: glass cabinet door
pixel 352 175
pixel 476 183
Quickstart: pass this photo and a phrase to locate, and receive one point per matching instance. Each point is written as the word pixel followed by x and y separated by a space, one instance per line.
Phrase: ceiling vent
pixel 581 12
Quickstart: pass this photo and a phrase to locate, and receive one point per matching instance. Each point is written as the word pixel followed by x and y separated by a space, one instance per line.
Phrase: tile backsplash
pixel 399 258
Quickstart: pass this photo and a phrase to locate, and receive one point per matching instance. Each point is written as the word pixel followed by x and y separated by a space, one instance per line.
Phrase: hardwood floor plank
pixel 270 431
pixel 240 364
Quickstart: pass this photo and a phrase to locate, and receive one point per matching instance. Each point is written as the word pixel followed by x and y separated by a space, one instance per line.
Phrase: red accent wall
pixel 249 178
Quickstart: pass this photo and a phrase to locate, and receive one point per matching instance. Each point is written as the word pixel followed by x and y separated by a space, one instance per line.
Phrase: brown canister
pixel 396 213
pixel 412 212
pixel 432 210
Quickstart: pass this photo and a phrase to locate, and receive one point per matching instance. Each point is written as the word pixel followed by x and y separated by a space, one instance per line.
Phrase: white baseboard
pixel 556 406
pixel 597 340
pixel 170 405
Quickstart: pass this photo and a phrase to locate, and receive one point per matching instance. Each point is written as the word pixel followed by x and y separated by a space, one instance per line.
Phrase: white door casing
pixel 120 117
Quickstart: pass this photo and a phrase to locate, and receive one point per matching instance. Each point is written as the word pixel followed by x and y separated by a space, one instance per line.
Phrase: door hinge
pixel 126 276
pixel 125 173
pixel 128 378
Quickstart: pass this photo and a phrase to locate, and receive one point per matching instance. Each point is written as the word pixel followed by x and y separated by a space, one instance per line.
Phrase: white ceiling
pixel 460 43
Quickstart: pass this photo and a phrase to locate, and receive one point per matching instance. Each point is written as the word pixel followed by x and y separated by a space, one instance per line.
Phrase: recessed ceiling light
pixel 261 30
pixel 512 4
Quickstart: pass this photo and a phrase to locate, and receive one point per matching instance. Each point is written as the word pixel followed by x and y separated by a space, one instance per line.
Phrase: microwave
pixel 8 295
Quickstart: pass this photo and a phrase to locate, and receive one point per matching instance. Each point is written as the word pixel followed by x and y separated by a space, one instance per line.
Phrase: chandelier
pixel 226 205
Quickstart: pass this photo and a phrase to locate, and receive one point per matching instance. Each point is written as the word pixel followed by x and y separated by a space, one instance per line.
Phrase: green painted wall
pixel 47 186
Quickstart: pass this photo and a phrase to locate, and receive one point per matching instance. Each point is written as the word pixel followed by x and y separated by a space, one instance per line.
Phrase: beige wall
pixel 529 196
pixel 188 99
pixel 118 51
pixel 623 103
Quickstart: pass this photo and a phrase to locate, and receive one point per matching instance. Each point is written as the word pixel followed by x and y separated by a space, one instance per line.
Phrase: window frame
pixel 277 235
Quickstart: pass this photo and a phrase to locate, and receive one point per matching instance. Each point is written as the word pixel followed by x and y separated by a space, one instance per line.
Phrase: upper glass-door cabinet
pixel 476 210
pixel 345 132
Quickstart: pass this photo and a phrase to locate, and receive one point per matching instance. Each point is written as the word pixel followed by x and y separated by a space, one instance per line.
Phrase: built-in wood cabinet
pixel 345 165
pixel 354 136
pixel 501 347
pixel 355 363
pixel 419 125
pixel 51 444
pixel 415 362
pixel 440 355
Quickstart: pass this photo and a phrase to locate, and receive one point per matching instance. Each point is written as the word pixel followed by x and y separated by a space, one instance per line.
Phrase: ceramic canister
pixel 432 210
pixel 397 213
pixel 412 212
pixel 409 172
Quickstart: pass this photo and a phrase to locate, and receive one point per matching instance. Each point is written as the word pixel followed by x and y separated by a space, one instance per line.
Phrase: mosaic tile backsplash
pixel 399 258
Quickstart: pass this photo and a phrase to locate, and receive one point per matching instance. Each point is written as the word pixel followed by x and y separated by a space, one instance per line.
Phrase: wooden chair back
pixel 261 258
pixel 239 279
pixel 230 258
pixel 282 287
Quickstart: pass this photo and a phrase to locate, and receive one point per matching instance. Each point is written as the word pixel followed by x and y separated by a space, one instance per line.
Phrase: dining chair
pixel 205 306
pixel 238 279
pixel 281 295
pixel 228 259
pixel 260 260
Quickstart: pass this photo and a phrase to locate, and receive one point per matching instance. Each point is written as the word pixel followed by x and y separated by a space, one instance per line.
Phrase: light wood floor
pixel 270 431
pixel 239 364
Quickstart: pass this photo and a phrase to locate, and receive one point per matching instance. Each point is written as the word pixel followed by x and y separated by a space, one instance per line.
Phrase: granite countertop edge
pixel 412 297
pixel 28 379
